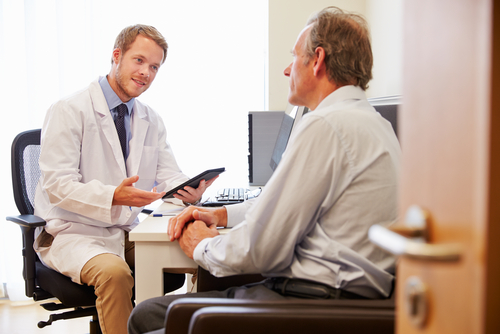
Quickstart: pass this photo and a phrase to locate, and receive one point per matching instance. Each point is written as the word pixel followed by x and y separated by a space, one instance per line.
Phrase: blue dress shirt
pixel 113 102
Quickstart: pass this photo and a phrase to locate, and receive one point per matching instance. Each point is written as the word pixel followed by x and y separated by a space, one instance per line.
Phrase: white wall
pixel 386 23
pixel 288 17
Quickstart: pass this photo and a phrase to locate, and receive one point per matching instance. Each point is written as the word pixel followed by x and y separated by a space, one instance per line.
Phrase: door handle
pixel 412 239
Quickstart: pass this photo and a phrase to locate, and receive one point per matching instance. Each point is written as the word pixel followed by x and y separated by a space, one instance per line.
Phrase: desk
pixel 154 252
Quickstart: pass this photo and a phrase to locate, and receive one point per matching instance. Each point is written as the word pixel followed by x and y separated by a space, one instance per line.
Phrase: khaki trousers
pixel 113 282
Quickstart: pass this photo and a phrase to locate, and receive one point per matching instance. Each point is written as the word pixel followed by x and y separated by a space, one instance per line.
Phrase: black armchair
pixel 214 315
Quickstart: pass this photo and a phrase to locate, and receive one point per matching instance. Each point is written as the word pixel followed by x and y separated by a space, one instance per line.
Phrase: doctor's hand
pixel 193 234
pixel 216 217
pixel 192 195
pixel 127 194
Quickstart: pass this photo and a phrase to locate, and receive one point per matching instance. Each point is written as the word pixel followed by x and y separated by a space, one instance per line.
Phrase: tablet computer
pixel 195 181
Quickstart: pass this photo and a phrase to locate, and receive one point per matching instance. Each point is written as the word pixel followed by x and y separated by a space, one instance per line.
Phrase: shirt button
pixel 123 243
pixel 128 214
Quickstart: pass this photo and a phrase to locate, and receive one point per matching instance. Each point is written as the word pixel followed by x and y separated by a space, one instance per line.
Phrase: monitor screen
pixel 288 124
pixel 388 107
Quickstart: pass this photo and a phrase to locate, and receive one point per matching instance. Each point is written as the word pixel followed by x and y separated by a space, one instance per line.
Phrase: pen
pixel 163 214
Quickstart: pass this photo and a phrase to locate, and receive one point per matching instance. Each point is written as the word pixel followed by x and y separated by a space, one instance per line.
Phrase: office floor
pixel 22 318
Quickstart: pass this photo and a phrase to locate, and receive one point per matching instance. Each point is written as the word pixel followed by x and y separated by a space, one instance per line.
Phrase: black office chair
pixel 42 283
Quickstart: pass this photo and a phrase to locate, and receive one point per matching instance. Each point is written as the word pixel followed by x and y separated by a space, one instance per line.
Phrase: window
pixel 213 76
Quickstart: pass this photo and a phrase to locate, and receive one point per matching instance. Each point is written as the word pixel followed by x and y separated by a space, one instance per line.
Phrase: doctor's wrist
pixel 188 204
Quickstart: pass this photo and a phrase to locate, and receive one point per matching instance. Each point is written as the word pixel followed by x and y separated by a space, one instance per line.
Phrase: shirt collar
pixel 342 94
pixel 112 99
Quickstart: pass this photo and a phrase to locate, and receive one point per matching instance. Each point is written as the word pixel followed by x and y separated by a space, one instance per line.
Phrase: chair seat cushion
pixel 69 293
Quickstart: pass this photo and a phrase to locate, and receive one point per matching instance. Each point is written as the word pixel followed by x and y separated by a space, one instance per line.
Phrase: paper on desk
pixel 170 212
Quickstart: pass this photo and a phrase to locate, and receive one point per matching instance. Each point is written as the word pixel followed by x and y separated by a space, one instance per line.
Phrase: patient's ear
pixel 319 60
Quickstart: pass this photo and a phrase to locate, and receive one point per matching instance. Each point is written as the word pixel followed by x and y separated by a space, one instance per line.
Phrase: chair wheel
pixel 42 324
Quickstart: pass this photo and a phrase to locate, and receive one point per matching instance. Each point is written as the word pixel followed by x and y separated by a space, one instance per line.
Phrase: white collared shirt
pixel 338 176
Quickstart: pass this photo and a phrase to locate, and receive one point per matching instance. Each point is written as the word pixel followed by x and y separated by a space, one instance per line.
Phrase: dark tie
pixel 120 128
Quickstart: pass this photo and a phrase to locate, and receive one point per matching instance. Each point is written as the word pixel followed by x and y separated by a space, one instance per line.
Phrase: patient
pixel 338 177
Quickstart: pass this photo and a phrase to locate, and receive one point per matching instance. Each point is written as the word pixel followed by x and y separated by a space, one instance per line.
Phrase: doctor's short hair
pixel 346 40
pixel 128 35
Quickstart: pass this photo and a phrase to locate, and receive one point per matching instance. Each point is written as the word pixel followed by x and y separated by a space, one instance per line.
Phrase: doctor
pixel 93 185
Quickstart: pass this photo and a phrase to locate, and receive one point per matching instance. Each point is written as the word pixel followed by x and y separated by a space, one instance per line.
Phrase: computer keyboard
pixel 231 194
pixel 228 196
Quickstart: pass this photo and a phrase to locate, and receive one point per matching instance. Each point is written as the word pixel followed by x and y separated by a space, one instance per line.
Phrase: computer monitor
pixel 388 107
pixel 292 116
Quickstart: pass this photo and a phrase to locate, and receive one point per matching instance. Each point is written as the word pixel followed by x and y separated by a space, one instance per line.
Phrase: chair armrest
pixel 225 319
pixel 208 282
pixel 30 221
pixel 180 311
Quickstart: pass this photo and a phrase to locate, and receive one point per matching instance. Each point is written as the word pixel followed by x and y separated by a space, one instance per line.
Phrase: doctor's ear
pixel 116 55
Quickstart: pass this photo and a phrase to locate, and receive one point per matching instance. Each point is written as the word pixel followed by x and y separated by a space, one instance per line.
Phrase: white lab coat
pixel 82 164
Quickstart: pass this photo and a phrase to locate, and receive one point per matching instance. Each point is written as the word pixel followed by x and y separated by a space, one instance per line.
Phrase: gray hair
pixel 346 40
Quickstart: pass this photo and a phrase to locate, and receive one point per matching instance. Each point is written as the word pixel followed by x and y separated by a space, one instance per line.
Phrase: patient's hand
pixel 193 234
pixel 210 216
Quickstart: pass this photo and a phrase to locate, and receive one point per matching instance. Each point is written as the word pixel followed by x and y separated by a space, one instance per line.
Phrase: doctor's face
pixel 134 71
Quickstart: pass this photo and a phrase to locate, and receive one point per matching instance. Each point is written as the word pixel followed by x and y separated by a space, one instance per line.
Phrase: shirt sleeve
pixel 236 212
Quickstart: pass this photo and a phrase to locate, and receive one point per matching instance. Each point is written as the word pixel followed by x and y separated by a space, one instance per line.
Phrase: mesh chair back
pixel 25 169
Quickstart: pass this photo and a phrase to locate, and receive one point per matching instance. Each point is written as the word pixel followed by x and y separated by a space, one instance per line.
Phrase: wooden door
pixel 450 137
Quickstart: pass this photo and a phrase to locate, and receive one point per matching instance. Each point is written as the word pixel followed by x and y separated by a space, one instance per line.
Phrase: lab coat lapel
pixel 107 124
pixel 139 130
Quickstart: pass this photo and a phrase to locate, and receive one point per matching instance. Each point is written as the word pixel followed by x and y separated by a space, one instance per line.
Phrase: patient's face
pixel 300 72
pixel 137 68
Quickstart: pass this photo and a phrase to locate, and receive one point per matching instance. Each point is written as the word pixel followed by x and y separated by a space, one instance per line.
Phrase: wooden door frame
pixel 431 29
pixel 492 284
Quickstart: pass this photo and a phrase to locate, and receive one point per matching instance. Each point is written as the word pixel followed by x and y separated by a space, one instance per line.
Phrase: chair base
pixel 78 312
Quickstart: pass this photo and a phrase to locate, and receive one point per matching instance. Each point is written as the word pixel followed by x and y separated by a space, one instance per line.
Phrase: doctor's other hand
pixel 194 233
pixel 190 194
pixel 127 194
pixel 216 217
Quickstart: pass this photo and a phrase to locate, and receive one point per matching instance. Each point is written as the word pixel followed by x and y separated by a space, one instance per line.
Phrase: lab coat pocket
pixel 43 242
pixel 44 239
